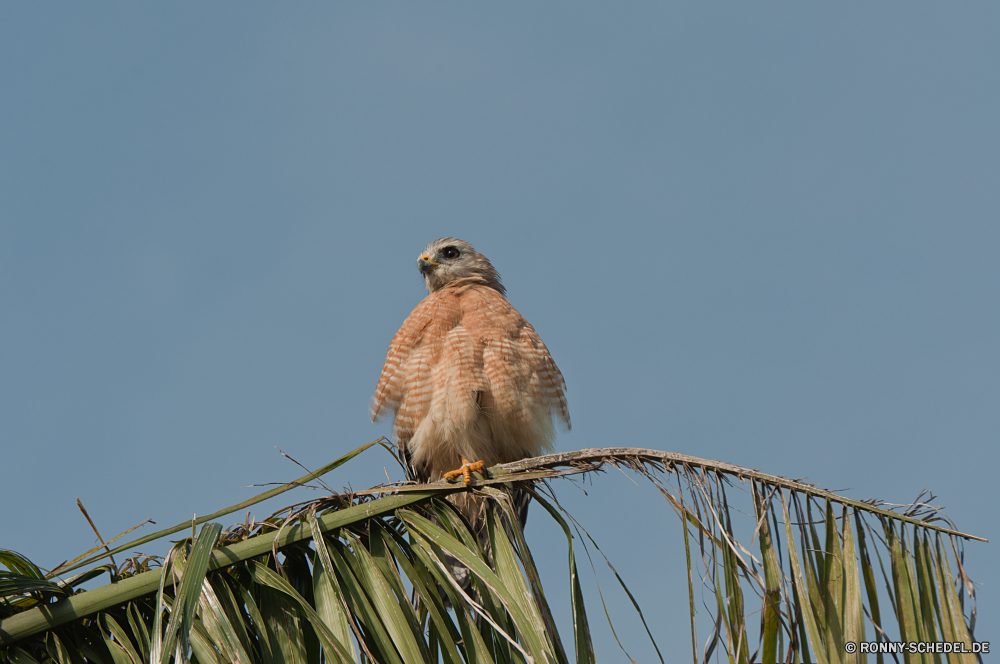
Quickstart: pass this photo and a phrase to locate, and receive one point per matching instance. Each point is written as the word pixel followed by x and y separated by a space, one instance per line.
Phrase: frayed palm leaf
pixel 370 576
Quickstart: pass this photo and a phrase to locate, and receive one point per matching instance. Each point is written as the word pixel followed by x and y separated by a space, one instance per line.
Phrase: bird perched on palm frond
pixel 467 380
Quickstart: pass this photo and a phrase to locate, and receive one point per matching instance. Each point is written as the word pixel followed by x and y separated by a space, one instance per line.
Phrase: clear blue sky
pixel 766 234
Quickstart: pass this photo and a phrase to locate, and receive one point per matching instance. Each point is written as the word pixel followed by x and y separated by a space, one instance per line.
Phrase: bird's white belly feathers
pixel 471 424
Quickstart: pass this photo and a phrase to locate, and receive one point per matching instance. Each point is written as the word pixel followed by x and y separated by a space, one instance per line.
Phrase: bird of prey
pixel 467 380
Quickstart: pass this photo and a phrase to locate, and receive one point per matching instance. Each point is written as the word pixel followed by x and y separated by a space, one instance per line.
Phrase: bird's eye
pixel 450 252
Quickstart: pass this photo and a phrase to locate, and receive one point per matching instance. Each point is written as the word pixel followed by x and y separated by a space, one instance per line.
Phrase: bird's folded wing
pixel 412 351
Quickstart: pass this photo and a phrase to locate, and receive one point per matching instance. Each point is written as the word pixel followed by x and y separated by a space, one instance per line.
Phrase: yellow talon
pixel 466 470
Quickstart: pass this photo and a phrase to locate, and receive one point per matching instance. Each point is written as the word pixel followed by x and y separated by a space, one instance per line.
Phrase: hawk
pixel 466 377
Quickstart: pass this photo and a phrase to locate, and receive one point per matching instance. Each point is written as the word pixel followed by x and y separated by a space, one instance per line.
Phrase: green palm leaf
pixel 396 574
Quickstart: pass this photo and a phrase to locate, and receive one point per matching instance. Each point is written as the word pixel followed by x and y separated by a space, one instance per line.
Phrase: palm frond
pixel 397 574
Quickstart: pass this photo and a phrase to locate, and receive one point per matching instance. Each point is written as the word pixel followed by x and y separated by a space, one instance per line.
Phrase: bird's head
pixel 445 261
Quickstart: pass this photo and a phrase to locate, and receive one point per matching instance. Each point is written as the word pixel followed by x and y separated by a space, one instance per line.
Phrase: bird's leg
pixel 467 469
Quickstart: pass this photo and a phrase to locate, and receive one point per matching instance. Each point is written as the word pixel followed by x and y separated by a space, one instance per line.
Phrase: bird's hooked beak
pixel 425 264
